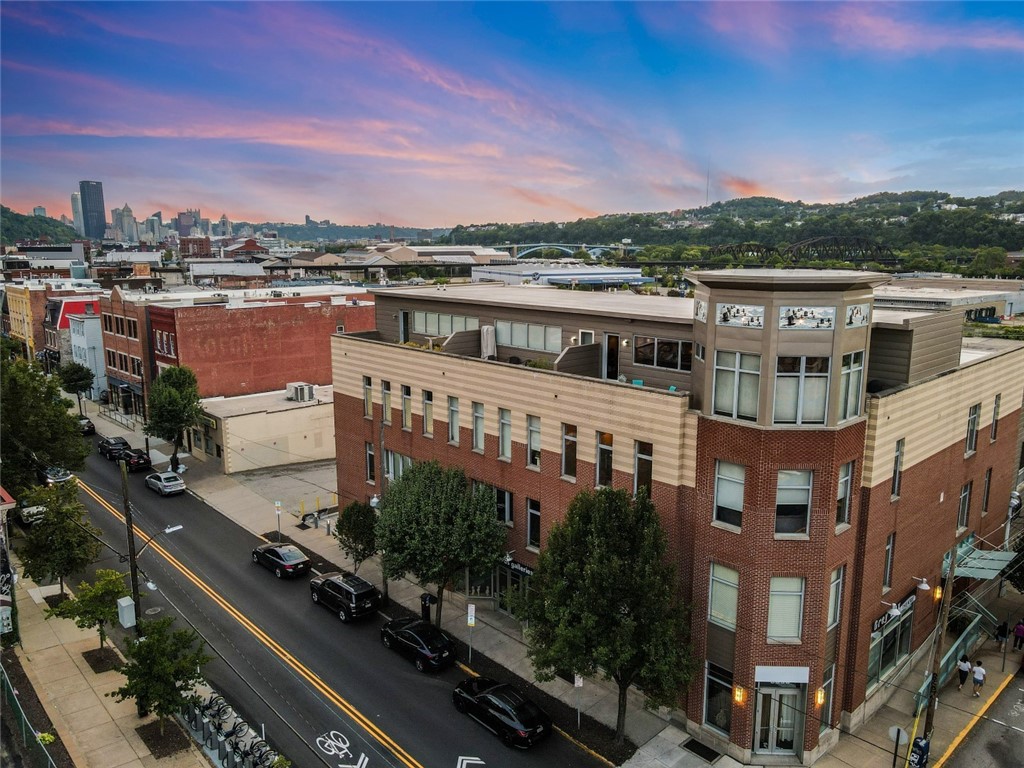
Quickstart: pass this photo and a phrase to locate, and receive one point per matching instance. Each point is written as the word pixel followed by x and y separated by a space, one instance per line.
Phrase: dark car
pixel 53 475
pixel 282 559
pixel 135 459
pixel 111 447
pixel 428 646
pixel 502 710
pixel 85 426
pixel 350 595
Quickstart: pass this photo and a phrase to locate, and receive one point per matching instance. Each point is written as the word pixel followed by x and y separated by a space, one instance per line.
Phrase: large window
pixel 428 413
pixel 897 468
pixel 729 479
pixel 478 427
pixel 385 399
pixel 603 465
pixel 995 418
pixel 890 556
pixel 801 390
pixel 793 501
pixel 395 464
pixel 371 466
pixel 973 416
pixel 504 433
pixel 828 684
pixel 718 698
pixel 532 524
pixel 542 338
pixel 985 491
pixel 724 595
pixel 888 645
pixel 435 324
pixel 737 382
pixel 367 397
pixel 533 441
pixel 785 609
pixel 569 450
pixel 673 354
pixel 406 407
pixel 850 385
pixel 835 595
pixel 502 501
pixel 843 494
pixel 643 466
pixel 453 420
pixel 963 515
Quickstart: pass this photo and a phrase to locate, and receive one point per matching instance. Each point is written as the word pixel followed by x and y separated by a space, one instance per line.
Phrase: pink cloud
pixel 549 202
pixel 740 187
pixel 761 28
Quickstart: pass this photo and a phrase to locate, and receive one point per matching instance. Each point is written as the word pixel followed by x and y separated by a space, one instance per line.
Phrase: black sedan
pixel 502 710
pixel 430 648
pixel 282 559
pixel 135 459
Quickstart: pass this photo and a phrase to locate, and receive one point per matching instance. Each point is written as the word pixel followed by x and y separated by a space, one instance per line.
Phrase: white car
pixel 165 483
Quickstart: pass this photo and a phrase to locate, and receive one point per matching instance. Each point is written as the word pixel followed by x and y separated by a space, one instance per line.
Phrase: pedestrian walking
pixel 963 668
pixel 979 674
pixel 1002 632
pixel 1018 636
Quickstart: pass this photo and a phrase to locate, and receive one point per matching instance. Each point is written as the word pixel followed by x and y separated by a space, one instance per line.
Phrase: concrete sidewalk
pixel 249 501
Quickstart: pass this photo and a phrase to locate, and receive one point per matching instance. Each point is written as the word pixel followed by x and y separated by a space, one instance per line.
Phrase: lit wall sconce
pixel 573 340
pixel 739 694
pixel 894 611
pixel 937 593
pixel 819 697
pixel 625 342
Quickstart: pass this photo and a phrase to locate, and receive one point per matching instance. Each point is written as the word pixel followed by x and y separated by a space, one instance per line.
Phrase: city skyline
pixel 433 115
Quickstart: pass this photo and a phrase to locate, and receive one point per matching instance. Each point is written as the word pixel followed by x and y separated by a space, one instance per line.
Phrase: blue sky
pixel 435 114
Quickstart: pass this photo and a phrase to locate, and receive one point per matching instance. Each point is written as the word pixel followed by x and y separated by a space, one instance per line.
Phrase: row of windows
pixel 542 338
pixel 164 342
pixel 801 387
pixel 440 324
pixel 121 362
pixel 643 452
pixel 122 326
pixel 792 497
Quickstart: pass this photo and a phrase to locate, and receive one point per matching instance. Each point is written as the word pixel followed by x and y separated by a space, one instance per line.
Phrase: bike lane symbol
pixel 336 744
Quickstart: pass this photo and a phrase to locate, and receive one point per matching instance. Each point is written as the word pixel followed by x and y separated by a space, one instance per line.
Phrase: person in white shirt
pixel 979 673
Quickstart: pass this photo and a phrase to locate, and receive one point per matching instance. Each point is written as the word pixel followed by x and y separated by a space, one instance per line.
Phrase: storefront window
pixel 889 645
pixel 718 698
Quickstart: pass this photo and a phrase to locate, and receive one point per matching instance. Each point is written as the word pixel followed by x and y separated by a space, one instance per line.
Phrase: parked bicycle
pixel 238 730
pixel 215 708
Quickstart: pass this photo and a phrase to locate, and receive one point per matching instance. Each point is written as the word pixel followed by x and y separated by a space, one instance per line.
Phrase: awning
pixel 980 563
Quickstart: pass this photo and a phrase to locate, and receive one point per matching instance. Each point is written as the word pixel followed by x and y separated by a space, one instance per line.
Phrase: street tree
pixel 37 426
pixel 603 600
pixel 61 542
pixel 76 379
pixel 173 407
pixel 434 525
pixel 95 605
pixel 356 532
pixel 162 669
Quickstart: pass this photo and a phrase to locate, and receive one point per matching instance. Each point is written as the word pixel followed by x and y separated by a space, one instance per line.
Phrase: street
pixel 290 667
pixel 997 740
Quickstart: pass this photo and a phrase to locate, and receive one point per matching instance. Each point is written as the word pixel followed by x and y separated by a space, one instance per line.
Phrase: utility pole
pixel 933 689
pixel 133 566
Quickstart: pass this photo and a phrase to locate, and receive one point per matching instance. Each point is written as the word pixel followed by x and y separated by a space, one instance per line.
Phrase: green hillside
pixel 17 226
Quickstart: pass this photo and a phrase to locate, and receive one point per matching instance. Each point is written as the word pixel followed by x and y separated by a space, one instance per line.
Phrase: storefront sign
pixel 514 565
pixel 885 618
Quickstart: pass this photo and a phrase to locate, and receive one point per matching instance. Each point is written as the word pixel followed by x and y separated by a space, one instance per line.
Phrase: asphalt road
pixel 997 740
pixel 290 667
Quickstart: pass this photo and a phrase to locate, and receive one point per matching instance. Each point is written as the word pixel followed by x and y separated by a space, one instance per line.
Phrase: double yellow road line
pixel 304 672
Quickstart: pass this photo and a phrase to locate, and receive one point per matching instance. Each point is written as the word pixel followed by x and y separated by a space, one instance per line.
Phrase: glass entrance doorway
pixel 509 582
pixel 611 356
pixel 778 719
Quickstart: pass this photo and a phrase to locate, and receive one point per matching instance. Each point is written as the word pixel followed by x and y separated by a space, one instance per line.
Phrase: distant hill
pixel 17 226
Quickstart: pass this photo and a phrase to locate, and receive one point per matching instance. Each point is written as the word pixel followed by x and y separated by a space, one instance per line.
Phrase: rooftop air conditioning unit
pixel 301 393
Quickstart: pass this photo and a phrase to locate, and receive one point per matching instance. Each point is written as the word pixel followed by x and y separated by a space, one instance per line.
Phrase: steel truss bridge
pixel 520 250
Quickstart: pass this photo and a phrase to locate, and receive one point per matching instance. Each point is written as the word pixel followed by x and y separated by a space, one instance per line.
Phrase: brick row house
pixel 814 461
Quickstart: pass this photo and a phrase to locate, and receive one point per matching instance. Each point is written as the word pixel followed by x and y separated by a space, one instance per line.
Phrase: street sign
pixel 578 682
pixel 277 507
pixel 471 615
pixel 898 735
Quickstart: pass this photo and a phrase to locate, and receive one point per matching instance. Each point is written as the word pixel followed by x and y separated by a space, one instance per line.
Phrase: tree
pixel 61 542
pixel 603 600
pixel 433 525
pixel 95 605
pixel 173 407
pixel 76 379
pixel 356 532
pixel 38 429
pixel 163 669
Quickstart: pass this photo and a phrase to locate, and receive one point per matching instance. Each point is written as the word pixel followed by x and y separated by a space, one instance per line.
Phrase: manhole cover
pixel 152 611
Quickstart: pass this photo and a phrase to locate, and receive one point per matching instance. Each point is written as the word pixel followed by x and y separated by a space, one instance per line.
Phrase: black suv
pixel 135 458
pixel 350 595
pixel 111 447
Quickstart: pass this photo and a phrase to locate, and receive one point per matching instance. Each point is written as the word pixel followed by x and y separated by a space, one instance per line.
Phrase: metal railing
pixel 963 645
pixel 34 752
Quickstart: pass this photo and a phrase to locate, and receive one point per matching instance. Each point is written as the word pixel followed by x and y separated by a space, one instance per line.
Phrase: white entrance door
pixel 778 719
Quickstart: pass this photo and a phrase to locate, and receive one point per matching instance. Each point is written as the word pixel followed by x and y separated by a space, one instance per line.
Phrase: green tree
pixel 61 542
pixel 163 668
pixel 603 600
pixel 38 429
pixel 76 379
pixel 433 525
pixel 95 605
pixel 173 407
pixel 356 532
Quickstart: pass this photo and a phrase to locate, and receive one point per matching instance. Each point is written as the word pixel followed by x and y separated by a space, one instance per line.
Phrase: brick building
pixel 813 460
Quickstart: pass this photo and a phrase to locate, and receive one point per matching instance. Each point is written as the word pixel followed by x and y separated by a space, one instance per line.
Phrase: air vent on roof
pixel 301 393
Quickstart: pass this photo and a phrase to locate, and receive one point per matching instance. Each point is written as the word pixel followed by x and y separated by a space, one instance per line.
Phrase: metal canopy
pixel 980 563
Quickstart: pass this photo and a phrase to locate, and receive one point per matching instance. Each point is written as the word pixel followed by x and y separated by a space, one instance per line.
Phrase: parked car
pixel 86 426
pixel 111 447
pixel 165 483
pixel 350 595
pixel 136 459
pixel 30 515
pixel 430 648
pixel 53 475
pixel 282 559
pixel 503 710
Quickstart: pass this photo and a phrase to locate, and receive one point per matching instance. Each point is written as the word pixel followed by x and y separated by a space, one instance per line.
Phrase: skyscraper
pixel 94 214
pixel 76 212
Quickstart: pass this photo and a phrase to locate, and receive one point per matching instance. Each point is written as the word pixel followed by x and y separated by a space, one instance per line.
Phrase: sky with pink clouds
pixel 436 114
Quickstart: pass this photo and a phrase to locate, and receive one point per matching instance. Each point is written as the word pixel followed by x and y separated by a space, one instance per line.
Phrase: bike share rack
pixel 223 734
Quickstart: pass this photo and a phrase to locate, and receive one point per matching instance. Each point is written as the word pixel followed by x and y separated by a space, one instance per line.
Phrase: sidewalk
pixel 249 501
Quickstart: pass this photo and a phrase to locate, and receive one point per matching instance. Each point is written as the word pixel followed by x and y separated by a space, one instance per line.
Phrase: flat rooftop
pixel 263 402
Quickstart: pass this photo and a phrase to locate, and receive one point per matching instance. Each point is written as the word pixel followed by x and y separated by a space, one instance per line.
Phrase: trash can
pixel 426 600
pixel 919 752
